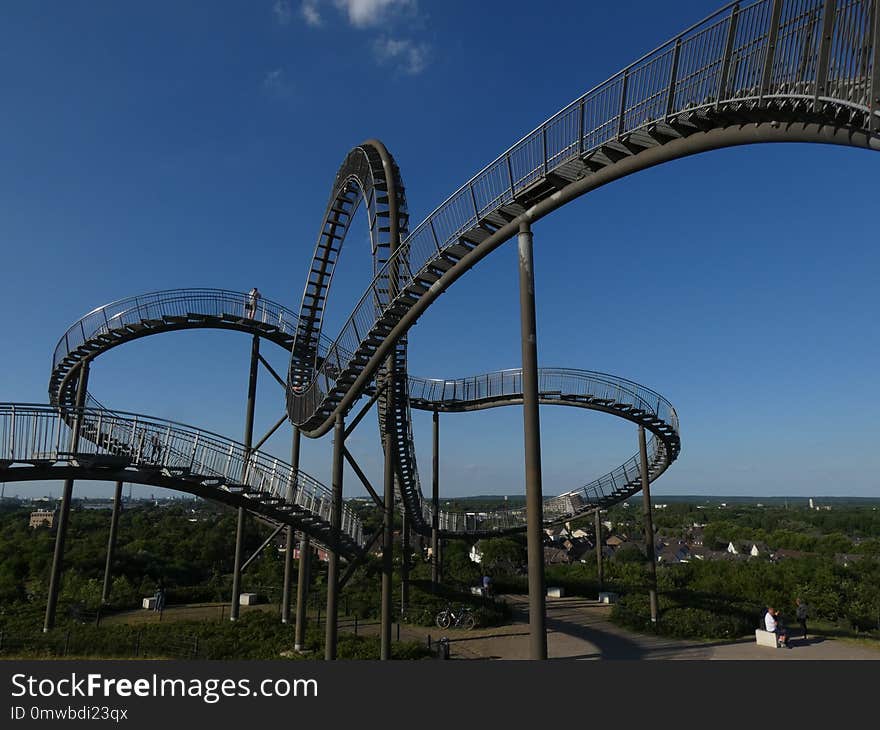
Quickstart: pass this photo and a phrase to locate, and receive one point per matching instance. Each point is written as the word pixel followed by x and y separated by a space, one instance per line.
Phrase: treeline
pixel 191 554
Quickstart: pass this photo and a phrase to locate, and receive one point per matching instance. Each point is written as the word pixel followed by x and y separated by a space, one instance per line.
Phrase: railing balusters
pixel 621 113
pixel 770 55
pixel 580 142
pixel 822 66
pixel 728 53
pixel 673 74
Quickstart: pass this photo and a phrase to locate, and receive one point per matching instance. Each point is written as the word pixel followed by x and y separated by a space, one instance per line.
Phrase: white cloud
pixel 363 13
pixel 410 57
pixel 275 84
pixel 310 13
pixel 282 11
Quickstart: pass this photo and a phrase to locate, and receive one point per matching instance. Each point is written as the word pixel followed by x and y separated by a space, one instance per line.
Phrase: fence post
pixel 355 625
pixel 728 54
pixel 66 642
pixel 673 76
pixel 137 644
pixel 195 649
pixel 829 12
pixel 773 35
pixel 1 641
pixel 398 630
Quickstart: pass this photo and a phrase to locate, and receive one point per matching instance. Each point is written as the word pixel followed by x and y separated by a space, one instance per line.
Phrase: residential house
pixel 555 556
pixel 747 547
pixel 674 553
pixel 42 517
pixel 476 553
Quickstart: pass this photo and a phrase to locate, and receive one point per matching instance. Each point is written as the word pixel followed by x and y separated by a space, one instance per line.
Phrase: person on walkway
pixel 773 624
pixel 155 448
pixel 253 297
pixel 801 613
pixel 487 585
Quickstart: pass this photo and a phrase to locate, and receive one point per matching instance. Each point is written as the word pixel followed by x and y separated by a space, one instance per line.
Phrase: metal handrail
pixel 37 433
pixel 174 302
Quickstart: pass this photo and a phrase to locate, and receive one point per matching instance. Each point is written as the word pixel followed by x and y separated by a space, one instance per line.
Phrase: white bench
pixel 766 638
pixel 555 592
pixel 149 603
pixel 248 599
pixel 607 597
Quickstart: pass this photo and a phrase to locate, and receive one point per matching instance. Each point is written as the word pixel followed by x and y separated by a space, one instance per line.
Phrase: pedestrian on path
pixel 802 612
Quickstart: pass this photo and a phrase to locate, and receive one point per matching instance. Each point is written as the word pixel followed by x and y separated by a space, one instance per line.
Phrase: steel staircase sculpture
pixel 136 448
pixel 136 317
pixel 767 71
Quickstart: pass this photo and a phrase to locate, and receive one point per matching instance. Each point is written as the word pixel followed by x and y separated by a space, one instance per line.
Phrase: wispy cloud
pixel 282 12
pixel 310 13
pixel 406 55
pixel 276 84
pixel 364 13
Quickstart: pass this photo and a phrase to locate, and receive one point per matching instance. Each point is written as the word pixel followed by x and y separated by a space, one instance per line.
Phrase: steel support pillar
pixel 387 542
pixel 435 503
pixel 111 542
pixel 649 524
pixel 67 495
pixel 248 441
pixel 302 592
pixel 335 526
pixel 532 439
pixel 600 568
pixel 404 564
pixel 291 538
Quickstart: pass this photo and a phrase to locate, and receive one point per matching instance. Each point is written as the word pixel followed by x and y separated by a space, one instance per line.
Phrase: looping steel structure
pixel 767 71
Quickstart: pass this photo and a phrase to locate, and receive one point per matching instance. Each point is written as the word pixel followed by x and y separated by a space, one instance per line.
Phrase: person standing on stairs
pixel 253 297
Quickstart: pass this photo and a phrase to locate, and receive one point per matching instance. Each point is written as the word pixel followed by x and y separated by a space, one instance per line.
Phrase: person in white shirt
pixel 771 624
pixel 253 297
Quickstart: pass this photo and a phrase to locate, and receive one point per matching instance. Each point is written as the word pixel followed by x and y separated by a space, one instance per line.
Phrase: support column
pixel 291 541
pixel 67 495
pixel 111 542
pixel 387 542
pixel 532 439
pixel 404 564
pixel 599 566
pixel 248 441
pixel 302 592
pixel 335 525
pixel 435 501
pixel 649 525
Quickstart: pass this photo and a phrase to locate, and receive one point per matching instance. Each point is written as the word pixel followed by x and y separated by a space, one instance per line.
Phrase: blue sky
pixel 160 145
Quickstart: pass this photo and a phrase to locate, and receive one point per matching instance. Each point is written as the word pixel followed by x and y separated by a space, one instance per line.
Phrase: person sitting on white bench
pixel 774 626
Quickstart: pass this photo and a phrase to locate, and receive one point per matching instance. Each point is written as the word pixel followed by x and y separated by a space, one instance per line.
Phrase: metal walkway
pixel 218 463
pixel 768 71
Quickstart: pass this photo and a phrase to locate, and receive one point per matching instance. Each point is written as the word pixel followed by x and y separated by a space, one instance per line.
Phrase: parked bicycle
pixel 463 618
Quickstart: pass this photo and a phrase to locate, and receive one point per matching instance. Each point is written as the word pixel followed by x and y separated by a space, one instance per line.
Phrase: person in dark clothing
pixel 801 614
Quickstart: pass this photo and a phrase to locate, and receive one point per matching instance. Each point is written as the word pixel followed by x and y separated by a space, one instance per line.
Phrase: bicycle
pixel 463 618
